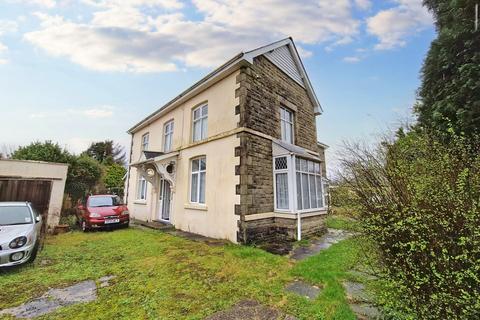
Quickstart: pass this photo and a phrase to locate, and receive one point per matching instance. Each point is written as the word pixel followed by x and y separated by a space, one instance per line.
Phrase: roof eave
pixel 207 81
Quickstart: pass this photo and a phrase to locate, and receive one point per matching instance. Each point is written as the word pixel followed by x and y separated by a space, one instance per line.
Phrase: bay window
pixel 297 184
pixel 309 184
pixel 281 183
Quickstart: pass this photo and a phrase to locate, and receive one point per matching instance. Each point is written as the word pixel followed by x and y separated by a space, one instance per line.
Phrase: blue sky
pixel 87 70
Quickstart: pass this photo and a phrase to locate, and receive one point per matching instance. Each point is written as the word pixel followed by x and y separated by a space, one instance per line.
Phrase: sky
pixel 87 70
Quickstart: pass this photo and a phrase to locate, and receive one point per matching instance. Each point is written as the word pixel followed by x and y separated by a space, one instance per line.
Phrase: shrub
pixel 420 204
pixel 113 178
pixel 84 173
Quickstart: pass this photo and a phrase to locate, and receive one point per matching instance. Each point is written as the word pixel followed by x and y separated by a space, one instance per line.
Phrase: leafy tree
pixel 106 152
pixel 420 201
pixel 83 172
pixel 113 178
pixel 43 151
pixel 450 90
pixel 83 175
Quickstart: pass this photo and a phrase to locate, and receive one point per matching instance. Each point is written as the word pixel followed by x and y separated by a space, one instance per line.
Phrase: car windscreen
pixel 107 201
pixel 12 215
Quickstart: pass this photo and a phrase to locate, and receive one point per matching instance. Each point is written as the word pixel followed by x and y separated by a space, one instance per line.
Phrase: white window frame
pixel 292 186
pixel 319 175
pixel 287 124
pixel 203 118
pixel 168 128
pixel 142 189
pixel 145 141
pixel 198 174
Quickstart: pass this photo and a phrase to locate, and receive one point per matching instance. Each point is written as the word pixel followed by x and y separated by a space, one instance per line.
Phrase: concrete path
pixel 331 237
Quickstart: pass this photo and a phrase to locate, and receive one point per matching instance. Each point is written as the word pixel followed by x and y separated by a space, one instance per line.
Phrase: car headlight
pixel 125 212
pixel 18 242
pixel 95 215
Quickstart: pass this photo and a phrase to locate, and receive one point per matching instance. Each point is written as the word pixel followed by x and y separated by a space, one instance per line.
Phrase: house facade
pixel 236 155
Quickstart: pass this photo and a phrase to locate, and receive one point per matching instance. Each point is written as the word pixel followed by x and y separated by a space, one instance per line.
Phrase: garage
pixel 41 183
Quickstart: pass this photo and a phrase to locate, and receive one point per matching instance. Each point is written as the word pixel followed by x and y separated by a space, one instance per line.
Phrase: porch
pixel 157 170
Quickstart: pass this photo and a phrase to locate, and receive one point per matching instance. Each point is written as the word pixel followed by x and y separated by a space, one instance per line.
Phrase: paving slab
pixel 365 311
pixel 53 299
pixel 360 301
pixel 303 289
pixel 105 281
pixel 326 241
pixel 356 292
pixel 251 310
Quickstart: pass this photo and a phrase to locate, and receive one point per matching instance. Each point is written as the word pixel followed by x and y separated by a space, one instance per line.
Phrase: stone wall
pixel 279 231
pixel 256 175
pixel 263 89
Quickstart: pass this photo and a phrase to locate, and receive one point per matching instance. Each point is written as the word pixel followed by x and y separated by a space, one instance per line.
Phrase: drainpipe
pixel 125 194
pixel 299 227
pixel 293 174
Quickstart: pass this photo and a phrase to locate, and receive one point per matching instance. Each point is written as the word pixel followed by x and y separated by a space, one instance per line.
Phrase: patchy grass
pixel 329 269
pixel 160 276
pixel 336 221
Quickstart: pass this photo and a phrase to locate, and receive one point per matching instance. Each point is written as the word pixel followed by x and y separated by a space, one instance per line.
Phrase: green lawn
pixel 160 276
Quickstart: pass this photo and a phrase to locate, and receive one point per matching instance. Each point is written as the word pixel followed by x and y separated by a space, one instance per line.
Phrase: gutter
pixel 207 81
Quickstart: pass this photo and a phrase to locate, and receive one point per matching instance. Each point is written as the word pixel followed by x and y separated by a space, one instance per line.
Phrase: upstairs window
pixel 198 175
pixel 167 136
pixel 145 139
pixel 200 117
pixel 286 123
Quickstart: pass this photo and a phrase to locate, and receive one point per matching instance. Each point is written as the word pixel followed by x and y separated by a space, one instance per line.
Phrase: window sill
pixel 144 202
pixel 195 206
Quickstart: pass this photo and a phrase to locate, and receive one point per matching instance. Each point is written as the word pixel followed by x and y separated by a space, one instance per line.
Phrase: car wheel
pixel 84 226
pixel 33 255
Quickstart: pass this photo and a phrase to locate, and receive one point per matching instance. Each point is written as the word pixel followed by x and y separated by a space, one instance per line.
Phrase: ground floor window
pixel 309 184
pixel 141 188
pixel 197 182
pixel 297 184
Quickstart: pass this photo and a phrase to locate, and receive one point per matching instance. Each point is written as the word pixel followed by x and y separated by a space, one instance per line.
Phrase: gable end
pixel 282 58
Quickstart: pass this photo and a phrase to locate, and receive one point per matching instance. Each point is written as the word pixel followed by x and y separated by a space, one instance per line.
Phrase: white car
pixel 20 228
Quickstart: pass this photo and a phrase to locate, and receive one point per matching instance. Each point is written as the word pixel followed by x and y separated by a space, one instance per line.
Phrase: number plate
pixel 112 221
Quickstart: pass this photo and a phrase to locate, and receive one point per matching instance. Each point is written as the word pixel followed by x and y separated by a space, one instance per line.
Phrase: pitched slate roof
pixel 282 53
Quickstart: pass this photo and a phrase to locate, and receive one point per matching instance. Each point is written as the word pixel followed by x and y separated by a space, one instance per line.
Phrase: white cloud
pixel 363 4
pixel 393 26
pixel 169 4
pixel 352 59
pixel 92 113
pixel 96 113
pixel 78 145
pixel 311 22
pixel 6 26
pixel 43 3
pixel 153 36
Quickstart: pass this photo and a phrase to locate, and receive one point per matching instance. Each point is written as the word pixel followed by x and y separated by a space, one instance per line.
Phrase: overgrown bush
pixel 113 178
pixel 420 204
pixel 343 200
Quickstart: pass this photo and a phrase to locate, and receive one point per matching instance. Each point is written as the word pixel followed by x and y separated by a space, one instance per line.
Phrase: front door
pixel 164 200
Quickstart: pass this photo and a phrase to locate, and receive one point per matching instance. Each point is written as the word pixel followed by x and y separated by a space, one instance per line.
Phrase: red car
pixel 103 211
